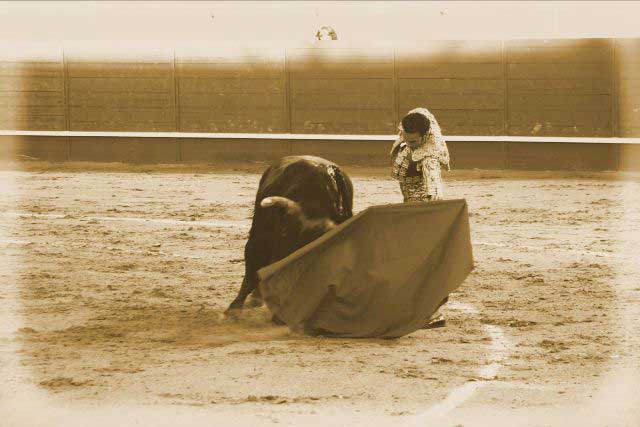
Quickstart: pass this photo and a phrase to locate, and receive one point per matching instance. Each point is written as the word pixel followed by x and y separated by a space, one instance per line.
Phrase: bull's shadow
pixel 134 340
pixel 150 326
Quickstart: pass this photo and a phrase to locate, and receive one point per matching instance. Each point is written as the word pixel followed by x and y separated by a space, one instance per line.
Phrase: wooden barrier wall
pixel 587 87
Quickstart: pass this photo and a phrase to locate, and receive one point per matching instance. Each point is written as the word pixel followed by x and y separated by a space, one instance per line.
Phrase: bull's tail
pixel 345 194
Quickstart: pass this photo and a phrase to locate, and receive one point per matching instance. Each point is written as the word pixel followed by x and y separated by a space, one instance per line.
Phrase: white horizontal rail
pixel 328 137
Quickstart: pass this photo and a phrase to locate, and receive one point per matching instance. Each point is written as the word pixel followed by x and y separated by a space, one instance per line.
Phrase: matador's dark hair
pixel 416 123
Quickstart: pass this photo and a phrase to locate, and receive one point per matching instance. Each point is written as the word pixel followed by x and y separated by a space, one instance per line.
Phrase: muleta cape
pixel 381 273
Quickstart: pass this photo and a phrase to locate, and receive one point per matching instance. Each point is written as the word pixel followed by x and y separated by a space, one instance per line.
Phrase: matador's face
pixel 413 139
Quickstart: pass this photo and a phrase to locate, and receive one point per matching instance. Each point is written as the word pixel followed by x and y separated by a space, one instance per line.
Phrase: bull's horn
pixel 288 204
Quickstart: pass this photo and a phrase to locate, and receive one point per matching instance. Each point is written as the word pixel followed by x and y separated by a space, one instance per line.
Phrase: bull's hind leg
pixel 256 298
pixel 277 321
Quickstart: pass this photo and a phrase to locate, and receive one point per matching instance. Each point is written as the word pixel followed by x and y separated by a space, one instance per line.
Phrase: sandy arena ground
pixel 114 279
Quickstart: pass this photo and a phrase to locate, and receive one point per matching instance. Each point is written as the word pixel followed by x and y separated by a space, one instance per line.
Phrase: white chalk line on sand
pixel 486 375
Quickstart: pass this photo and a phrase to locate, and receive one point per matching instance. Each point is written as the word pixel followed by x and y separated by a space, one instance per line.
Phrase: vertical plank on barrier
pixel 65 89
pixel 231 89
pixel 286 89
pixel 396 90
pixel 614 101
pixel 341 89
pixel 176 105
pixel 65 86
pixel 461 82
pixel 614 88
pixel 559 87
pixel 505 77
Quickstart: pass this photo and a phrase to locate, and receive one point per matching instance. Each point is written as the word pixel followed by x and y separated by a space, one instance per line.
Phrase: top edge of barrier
pixel 321 137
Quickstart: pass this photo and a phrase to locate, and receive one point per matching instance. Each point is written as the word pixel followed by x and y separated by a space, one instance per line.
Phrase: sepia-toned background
pixel 119 255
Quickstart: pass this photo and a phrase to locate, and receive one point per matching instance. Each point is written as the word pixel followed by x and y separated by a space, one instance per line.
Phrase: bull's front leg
pixel 250 281
pixel 235 308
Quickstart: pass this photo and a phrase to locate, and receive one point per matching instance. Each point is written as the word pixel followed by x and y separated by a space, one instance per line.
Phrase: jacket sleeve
pixel 396 143
pixel 431 178
pixel 443 154
pixel 437 149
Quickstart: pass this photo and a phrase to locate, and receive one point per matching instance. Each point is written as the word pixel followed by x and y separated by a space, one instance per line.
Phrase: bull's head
pixel 296 228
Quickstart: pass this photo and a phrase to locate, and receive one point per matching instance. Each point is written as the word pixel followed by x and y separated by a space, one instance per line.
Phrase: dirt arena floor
pixel 114 279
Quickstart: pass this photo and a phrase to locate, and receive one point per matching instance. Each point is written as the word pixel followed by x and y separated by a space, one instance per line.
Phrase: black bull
pixel 299 199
